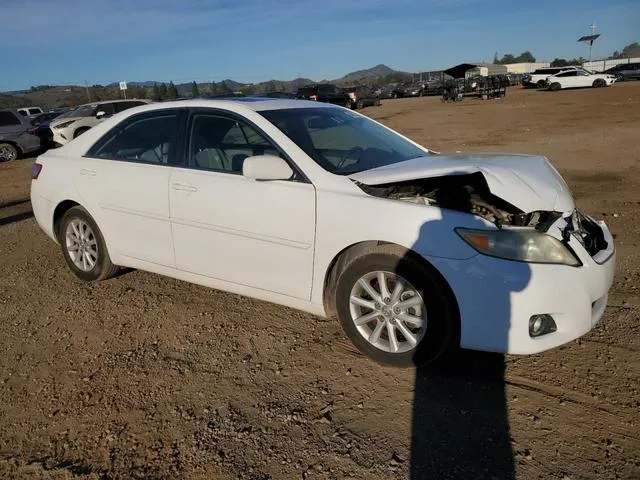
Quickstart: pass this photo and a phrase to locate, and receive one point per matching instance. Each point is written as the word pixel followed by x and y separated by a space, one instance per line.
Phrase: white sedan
pixel 579 78
pixel 322 209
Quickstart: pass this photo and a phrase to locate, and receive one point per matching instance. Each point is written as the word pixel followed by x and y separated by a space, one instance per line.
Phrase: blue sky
pixel 70 41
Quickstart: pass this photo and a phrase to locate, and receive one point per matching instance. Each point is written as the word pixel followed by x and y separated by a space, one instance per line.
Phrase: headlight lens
pixel 64 124
pixel 520 245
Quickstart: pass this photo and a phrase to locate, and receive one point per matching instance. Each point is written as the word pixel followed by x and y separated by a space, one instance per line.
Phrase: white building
pixel 525 67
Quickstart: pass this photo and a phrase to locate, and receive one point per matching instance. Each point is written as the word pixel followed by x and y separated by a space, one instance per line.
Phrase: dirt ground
pixel 149 378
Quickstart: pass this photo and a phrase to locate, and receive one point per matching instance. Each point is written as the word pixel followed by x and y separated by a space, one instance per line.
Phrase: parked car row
pixel 23 131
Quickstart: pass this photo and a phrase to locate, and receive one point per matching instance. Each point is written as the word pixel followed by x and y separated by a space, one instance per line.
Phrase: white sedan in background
pixel 322 209
pixel 579 78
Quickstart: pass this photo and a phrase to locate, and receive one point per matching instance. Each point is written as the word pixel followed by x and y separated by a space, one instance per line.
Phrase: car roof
pixel 252 103
pixel 102 102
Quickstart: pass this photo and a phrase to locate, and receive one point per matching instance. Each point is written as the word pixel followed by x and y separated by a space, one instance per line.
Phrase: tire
pixel 8 152
pixel 377 103
pixel 439 328
pixel 71 233
pixel 359 105
pixel 555 86
pixel 80 131
pixel 541 84
pixel 599 83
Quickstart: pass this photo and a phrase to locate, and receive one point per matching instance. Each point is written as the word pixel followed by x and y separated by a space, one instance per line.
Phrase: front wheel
pixel 83 246
pixel 599 83
pixel 395 308
pixel 555 86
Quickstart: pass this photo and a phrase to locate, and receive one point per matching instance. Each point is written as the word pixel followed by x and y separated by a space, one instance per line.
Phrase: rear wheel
pixel 83 246
pixel 541 84
pixel 395 308
pixel 8 152
pixel 359 105
pixel 555 86
pixel 599 83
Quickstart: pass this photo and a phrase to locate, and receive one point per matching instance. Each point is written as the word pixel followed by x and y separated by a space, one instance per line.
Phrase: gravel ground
pixel 146 377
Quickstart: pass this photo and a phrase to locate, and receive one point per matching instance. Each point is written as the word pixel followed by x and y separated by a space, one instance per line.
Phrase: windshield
pixel 340 141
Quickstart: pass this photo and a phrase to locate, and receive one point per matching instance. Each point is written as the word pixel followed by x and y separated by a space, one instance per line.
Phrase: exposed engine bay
pixel 465 193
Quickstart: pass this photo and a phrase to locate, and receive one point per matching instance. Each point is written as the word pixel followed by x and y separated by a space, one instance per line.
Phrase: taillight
pixel 31 131
pixel 36 168
pixel 313 97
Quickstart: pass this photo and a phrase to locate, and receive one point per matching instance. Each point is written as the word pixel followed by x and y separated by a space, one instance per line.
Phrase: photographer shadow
pixel 460 427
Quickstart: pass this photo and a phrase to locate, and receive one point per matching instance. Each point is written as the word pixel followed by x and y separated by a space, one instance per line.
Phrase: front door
pixel 123 182
pixel 255 233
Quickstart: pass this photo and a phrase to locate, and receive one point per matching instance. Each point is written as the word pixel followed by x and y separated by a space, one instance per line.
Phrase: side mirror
pixel 101 114
pixel 266 167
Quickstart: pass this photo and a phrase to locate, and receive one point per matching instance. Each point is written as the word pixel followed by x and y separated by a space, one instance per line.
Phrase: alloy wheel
pixel 81 244
pixel 7 152
pixel 388 311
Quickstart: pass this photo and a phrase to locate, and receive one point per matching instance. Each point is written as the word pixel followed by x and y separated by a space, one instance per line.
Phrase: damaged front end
pixel 470 193
pixel 467 193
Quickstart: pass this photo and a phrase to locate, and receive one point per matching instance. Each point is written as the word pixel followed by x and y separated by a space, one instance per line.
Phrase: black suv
pixel 361 97
pixel 325 92
pixel 625 71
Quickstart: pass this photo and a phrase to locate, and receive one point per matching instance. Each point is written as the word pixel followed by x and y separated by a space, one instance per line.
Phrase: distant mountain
pixel 370 74
pixel 54 96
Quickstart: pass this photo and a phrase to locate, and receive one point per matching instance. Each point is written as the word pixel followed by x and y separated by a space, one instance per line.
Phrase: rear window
pixel 8 118
pixel 548 71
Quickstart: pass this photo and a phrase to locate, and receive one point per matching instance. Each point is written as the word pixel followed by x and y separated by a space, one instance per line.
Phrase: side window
pixel 567 74
pixel 221 143
pixel 147 138
pixel 121 106
pixel 107 108
pixel 7 119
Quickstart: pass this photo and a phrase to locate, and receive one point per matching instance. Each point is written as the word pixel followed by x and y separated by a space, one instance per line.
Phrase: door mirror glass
pixel 266 167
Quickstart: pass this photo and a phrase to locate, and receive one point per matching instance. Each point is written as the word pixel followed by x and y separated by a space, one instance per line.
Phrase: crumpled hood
pixel 527 182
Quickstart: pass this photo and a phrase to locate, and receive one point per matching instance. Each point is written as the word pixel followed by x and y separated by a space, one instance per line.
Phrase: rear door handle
pixel 184 187
pixel 88 172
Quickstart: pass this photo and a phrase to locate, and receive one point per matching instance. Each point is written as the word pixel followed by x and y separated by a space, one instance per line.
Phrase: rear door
pixel 567 79
pixel 123 180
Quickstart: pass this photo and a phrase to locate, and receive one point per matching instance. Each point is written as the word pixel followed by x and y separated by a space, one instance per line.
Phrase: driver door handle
pixel 184 187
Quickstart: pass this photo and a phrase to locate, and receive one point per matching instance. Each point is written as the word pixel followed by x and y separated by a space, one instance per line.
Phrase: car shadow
pixel 16 218
pixel 460 425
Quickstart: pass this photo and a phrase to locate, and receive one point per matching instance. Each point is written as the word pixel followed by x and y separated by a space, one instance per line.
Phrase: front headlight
pixel 64 124
pixel 520 245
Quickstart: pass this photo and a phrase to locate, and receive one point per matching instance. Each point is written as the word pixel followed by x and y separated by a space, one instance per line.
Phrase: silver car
pixel 17 135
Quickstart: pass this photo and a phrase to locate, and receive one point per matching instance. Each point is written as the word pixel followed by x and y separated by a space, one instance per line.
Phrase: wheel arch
pixel 62 208
pixel 342 258
pixel 14 144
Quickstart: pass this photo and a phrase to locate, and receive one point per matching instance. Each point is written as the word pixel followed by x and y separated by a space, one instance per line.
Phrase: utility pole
pixel 593 32
pixel 86 86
